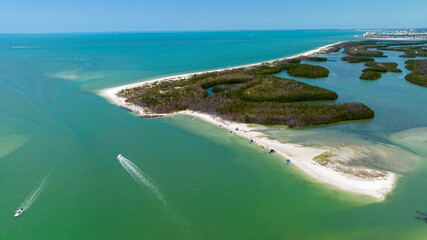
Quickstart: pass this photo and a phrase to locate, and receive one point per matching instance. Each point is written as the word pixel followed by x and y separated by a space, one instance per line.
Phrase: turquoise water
pixel 398 105
pixel 186 179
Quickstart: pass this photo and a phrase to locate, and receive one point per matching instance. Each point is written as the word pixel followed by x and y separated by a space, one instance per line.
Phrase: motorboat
pixel 19 212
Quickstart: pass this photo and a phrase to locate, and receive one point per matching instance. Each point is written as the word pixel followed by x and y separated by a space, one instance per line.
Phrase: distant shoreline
pixel 392 39
pixel 300 156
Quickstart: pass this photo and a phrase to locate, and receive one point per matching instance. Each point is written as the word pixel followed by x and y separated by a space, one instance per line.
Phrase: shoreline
pixel 391 39
pixel 107 91
pixel 301 156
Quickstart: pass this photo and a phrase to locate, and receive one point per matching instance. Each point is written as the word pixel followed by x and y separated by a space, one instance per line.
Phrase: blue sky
pixel 23 16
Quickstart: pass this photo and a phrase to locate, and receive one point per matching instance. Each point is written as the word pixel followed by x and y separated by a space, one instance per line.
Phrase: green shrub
pixel 416 78
pixel 357 59
pixel 275 89
pixel 308 71
pixel 370 75
pixel 376 69
pixel 419 71
pixel 313 59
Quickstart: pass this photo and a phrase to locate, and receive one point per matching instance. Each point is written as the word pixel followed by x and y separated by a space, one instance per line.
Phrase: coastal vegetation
pixel 333 49
pixel 362 51
pixel 313 59
pixel 358 51
pixel 327 159
pixel 293 67
pixel 384 66
pixel 365 51
pixel 419 72
pixel 276 89
pixel 251 95
pixel 274 67
pixel 357 59
pixel 370 75
pixel 306 71
pixel 411 51
pixel 374 70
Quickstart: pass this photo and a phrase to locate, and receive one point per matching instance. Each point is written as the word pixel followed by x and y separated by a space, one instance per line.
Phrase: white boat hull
pixel 18 213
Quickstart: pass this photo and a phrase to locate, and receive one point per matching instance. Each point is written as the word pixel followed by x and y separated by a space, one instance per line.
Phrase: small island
pixel 410 51
pixel 357 59
pixel 306 70
pixel 370 75
pixel 419 72
pixel 374 70
pixel 367 51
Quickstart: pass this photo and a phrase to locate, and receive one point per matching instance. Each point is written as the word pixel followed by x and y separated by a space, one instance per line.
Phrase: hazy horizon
pixel 47 16
pixel 214 30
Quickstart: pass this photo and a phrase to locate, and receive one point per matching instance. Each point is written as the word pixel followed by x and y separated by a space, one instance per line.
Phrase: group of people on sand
pixel 259 145
pixel 271 150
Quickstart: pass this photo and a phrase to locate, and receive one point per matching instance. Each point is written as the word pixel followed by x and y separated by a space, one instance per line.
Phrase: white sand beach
pixel 300 156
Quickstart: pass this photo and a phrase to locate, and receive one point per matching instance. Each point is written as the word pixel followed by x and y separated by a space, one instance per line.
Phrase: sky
pixel 51 16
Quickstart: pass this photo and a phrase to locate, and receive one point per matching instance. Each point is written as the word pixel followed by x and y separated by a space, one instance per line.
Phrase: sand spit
pixel 300 156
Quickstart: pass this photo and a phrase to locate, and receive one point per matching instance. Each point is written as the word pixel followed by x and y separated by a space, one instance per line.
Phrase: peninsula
pixel 246 94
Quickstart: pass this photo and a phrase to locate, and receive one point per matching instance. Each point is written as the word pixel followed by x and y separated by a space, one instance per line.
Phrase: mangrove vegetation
pixel 411 51
pixel 374 70
pixel 370 75
pixel 313 59
pixel 254 95
pixel 306 70
pixel 251 95
pixel 419 72
pixel 367 51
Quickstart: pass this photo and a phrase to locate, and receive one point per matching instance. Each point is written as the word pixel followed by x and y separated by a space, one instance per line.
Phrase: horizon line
pixel 217 30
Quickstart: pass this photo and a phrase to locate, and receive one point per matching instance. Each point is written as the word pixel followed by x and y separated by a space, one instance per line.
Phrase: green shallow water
pixel 214 186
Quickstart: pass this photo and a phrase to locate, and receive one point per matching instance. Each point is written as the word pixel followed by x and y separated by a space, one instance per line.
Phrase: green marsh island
pixel 251 95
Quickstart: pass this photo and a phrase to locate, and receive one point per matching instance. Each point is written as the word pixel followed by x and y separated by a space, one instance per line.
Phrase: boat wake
pixel 35 193
pixel 141 178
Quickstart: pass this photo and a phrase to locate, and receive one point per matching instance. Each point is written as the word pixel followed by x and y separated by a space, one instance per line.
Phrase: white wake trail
pixel 140 177
pixel 35 193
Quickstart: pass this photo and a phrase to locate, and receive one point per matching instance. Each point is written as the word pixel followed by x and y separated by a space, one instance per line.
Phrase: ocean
pixel 181 178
